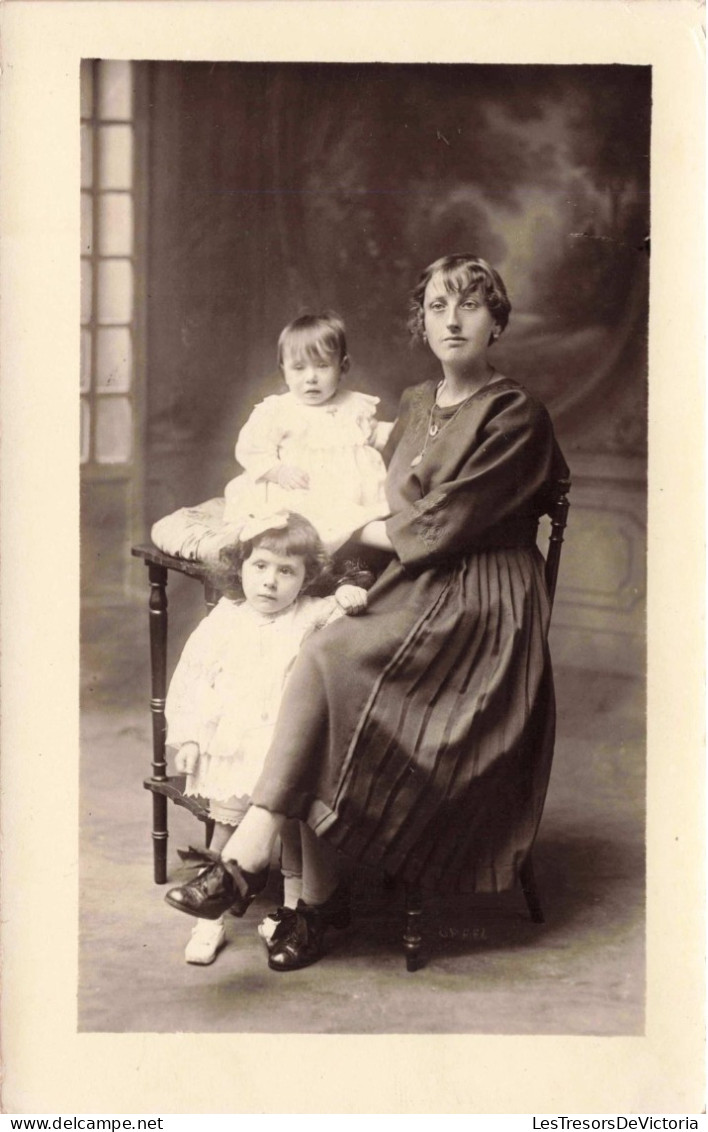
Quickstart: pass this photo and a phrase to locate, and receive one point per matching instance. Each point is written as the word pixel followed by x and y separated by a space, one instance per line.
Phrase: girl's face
pixel 458 324
pixel 272 582
pixel 312 380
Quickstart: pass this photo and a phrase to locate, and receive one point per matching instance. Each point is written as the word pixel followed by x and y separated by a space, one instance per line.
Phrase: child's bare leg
pixel 221 835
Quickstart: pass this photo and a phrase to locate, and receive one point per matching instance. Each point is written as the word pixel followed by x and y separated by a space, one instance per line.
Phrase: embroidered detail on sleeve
pixel 427 520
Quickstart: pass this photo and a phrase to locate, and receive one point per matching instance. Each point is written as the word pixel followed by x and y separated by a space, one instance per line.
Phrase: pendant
pixel 416 460
pixel 434 430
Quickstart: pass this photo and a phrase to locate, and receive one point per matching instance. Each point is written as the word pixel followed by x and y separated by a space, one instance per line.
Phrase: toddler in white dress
pixel 315 450
pixel 224 696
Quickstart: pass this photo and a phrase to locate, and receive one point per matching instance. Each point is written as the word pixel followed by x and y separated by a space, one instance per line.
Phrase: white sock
pixel 292 890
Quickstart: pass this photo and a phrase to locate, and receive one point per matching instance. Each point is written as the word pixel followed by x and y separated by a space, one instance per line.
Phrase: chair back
pixel 558 512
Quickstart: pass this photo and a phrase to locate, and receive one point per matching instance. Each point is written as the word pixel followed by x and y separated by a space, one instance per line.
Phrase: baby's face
pixel 272 582
pixel 312 380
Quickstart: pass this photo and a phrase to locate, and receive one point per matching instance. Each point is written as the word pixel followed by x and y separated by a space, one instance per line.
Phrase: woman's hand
pixel 375 534
pixel 289 477
pixel 187 758
pixel 352 599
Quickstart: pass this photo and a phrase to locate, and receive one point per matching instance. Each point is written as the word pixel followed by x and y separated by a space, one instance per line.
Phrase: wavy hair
pixel 460 275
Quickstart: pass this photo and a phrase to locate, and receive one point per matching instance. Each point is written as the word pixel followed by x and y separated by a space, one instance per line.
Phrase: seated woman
pixel 419 737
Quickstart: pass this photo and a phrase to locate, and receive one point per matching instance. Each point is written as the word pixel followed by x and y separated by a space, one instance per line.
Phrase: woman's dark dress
pixel 419 736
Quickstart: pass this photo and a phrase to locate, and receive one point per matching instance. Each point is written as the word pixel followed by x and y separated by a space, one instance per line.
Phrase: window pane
pixel 116 157
pixel 114 361
pixel 113 430
pixel 85 430
pixel 115 224
pixel 115 291
pixel 86 157
pixel 86 223
pixel 86 301
pixel 85 372
pixel 115 99
pixel 86 88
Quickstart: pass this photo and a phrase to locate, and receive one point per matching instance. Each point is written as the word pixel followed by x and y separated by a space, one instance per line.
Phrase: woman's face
pixel 458 324
pixel 272 582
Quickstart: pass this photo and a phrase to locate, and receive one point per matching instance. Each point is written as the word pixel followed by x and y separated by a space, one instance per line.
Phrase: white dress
pixel 226 689
pixel 335 443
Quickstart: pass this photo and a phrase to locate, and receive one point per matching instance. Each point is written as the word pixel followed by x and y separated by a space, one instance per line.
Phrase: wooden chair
pixel 412 936
pixel 163 787
pixel 169 788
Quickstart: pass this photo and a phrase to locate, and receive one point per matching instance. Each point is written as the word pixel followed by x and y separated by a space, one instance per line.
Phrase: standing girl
pixel 225 693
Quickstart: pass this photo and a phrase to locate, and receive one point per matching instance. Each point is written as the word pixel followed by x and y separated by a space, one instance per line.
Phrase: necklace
pixel 434 429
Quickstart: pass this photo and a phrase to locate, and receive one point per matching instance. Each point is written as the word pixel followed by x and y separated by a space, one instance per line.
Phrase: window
pixel 107 263
pixel 113 204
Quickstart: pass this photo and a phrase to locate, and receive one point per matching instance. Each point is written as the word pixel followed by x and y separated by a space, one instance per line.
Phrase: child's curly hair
pixel 298 538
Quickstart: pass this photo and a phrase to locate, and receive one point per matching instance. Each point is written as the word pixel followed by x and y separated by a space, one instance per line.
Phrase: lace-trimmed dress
pixel 227 688
pixel 419 736
pixel 335 443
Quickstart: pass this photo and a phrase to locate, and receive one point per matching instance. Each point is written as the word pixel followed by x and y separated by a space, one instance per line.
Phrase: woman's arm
pixel 374 534
pixel 509 460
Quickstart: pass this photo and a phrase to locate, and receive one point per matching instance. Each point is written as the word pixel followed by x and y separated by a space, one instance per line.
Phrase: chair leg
pixel 412 938
pixel 159 838
pixel 528 887
pixel 158 667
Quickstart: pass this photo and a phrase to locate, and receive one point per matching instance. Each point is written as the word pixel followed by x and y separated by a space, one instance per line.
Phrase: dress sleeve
pixel 510 460
pixel 259 440
pixel 381 434
pixel 190 683
pixel 321 611
pixel 362 407
pixel 316 612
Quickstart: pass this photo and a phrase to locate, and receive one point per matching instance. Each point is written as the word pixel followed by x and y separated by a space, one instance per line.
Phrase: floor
pixel 489 969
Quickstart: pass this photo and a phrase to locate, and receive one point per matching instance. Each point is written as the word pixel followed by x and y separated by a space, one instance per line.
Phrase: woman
pixel 419 737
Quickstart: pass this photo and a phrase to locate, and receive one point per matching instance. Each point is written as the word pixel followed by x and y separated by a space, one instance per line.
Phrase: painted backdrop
pixel 273 188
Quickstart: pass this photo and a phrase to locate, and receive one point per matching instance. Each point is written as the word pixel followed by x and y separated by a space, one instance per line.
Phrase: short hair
pixel 299 538
pixel 460 274
pixel 315 336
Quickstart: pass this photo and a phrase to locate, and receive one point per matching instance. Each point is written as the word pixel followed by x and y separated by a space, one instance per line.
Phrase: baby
pixel 317 448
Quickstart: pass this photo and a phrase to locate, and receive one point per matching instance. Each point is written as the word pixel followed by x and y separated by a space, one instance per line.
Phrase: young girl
pixel 225 693
pixel 316 448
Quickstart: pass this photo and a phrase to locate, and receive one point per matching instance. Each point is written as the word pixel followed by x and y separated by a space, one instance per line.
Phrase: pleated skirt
pixel 418 738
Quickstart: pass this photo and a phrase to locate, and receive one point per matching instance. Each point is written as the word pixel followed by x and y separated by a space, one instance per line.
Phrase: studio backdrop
pixel 249 193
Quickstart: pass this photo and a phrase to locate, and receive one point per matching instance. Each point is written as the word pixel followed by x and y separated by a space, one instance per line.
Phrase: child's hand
pixel 187 758
pixel 352 599
pixel 291 478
